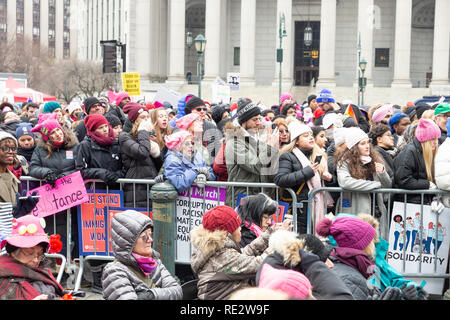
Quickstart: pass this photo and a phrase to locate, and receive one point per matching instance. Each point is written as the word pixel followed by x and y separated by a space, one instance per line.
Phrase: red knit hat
pixel 94 121
pixel 133 109
pixel 221 218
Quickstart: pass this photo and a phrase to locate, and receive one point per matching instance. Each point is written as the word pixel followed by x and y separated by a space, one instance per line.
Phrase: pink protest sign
pixel 67 193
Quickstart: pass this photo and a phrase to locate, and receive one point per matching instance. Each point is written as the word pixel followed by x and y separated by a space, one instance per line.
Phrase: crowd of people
pixel 297 146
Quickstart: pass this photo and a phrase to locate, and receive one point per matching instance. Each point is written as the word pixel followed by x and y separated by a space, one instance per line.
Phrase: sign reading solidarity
pixel 68 192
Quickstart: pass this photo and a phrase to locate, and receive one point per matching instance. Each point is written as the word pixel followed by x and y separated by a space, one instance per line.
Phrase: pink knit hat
pixel 348 232
pixel 381 113
pixel 45 128
pixel 291 282
pixel 122 95
pixel 427 130
pixel 27 232
pixel 285 96
pixel 174 141
pixel 185 122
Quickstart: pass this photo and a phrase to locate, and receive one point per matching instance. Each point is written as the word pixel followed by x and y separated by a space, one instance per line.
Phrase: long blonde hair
pixel 428 157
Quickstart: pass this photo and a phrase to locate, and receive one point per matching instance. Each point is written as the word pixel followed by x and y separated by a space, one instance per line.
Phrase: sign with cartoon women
pixel 419 243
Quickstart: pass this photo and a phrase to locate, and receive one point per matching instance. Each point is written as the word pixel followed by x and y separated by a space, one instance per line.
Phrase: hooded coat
pixel 122 279
pixel 222 267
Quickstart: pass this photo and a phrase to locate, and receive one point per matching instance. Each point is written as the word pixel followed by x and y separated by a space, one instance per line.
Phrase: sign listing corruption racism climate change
pixel 68 192
pixel 190 217
pixel 414 230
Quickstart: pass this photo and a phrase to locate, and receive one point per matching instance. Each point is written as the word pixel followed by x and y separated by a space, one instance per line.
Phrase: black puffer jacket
pixel 96 162
pixel 61 162
pixel 410 172
pixel 291 174
pixel 138 164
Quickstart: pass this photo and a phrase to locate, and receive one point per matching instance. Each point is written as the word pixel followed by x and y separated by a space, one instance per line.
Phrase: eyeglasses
pixel 32 256
pixel 267 218
pixel 6 149
pixel 147 236
pixel 201 109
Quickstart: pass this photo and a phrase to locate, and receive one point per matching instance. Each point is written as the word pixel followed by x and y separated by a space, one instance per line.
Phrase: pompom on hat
pixel 221 218
pixel 174 141
pixel 348 232
pixel 427 130
pixel 27 232
pixel 291 282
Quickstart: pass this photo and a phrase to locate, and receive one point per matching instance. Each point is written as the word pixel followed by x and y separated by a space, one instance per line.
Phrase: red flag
pixel 350 112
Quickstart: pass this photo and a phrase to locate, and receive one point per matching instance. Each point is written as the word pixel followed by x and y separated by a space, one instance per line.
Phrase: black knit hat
pixel 246 110
pixel 113 120
pixel 217 113
pixel 421 108
pixel 89 102
pixel 193 103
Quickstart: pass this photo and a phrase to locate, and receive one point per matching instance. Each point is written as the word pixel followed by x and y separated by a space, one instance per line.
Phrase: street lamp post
pixel 281 34
pixel 362 81
pixel 200 44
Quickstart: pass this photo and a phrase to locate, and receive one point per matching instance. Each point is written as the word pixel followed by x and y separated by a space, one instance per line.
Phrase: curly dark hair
pixel 356 168
pixel 377 131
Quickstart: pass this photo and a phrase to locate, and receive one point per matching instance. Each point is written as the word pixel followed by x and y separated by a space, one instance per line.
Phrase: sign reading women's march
pixel 92 220
pixel 68 192
pixel 411 231
pixel 191 216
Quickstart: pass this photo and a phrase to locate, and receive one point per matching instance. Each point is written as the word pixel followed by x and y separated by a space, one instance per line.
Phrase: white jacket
pixel 442 169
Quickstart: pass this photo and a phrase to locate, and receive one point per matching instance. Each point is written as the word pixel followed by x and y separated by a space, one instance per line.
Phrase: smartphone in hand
pixel 318 159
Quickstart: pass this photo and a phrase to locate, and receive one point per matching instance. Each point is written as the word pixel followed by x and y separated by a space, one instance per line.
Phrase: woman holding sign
pixel 53 159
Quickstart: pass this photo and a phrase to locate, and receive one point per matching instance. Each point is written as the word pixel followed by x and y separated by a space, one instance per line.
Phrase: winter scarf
pixel 26 152
pixel 356 259
pixel 146 264
pixel 255 228
pixel 102 140
pixel 313 183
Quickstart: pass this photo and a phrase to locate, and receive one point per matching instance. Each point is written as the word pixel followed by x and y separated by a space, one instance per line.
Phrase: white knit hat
pixel 329 119
pixel 296 129
pixel 353 136
pixel 339 135
pixel 5 135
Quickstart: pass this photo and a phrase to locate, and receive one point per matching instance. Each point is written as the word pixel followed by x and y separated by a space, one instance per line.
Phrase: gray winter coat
pixel 122 279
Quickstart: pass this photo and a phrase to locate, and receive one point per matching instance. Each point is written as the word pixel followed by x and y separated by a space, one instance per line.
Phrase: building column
pixel 365 31
pixel 440 80
pixel 248 42
pixel 59 30
pixel 402 53
pixel 177 35
pixel 28 20
pixel 43 32
pixel 213 19
pixel 327 44
pixel 12 20
pixel 287 71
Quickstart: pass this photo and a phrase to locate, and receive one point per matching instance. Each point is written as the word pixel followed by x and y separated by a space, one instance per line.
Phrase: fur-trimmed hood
pixel 287 245
pixel 208 244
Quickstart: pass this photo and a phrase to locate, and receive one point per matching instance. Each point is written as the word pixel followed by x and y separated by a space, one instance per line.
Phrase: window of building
pixel 237 56
pixel 382 57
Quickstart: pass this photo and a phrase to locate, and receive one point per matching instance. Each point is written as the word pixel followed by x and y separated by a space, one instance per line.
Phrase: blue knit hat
pixel 395 119
pixel 325 96
pixel 51 106
pixel 24 129
pixel 448 127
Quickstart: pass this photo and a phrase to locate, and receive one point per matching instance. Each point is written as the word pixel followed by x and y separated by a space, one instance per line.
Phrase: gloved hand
pixel 26 206
pixel 391 293
pixel 51 178
pixel 200 180
pixel 412 292
pixel 160 178
pixel 307 259
pixel 205 171
pixel 111 178
pixel 437 206
pixel 145 125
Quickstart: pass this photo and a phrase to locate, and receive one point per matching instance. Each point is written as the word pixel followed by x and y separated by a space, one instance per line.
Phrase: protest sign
pixel 92 227
pixel 233 80
pixel 409 232
pixel 220 94
pixel 67 193
pixel 131 83
pixel 278 217
pixel 166 95
pixel 188 218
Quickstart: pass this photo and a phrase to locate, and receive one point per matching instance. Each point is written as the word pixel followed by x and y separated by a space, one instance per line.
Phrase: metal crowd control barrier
pixel 384 220
pixel 69 265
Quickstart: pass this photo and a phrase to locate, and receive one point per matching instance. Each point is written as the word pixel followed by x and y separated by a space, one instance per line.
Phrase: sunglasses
pixel 201 109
